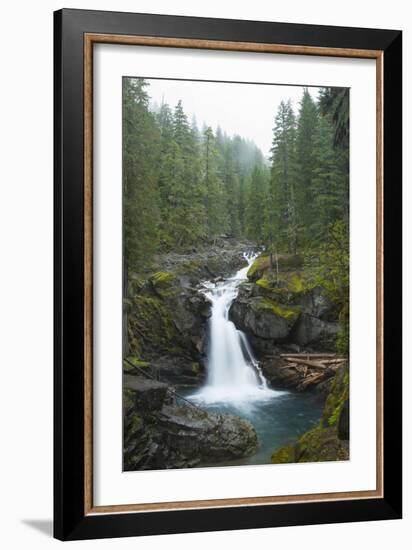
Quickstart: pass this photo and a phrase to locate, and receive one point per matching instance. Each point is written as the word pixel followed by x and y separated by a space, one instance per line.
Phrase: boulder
pixel 146 395
pixel 176 436
pixel 278 375
pixel 210 436
pixel 263 318
pixel 310 330
pixel 285 262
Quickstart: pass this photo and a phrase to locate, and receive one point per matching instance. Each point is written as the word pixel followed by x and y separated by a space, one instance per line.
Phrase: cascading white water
pixel 233 373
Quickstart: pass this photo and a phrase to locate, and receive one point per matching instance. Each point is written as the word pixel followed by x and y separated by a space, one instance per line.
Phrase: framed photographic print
pixel 227 274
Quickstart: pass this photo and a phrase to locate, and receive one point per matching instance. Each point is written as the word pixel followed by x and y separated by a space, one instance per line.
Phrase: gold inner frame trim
pixel 89 40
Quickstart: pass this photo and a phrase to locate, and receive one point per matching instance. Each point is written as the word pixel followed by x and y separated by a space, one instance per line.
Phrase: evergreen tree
pixel 185 220
pixel 141 152
pixel 327 183
pixel 214 193
pixel 166 168
pixel 307 122
pixel 334 103
pixel 231 186
pixel 333 276
pixel 282 221
pixel 256 193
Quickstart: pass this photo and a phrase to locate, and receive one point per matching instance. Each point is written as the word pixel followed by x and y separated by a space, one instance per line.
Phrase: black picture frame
pixel 70 520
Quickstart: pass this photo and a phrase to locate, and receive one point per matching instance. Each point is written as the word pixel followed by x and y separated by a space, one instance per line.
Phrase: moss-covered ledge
pixel 290 314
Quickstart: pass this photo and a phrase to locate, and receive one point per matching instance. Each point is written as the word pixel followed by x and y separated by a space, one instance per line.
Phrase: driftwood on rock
pixel 312 368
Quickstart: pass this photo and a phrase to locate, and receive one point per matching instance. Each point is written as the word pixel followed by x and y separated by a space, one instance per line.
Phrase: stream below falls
pixel 235 383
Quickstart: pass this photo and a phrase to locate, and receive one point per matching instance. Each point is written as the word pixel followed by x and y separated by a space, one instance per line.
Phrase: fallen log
pixel 309 380
pixel 334 361
pixel 314 364
pixel 309 363
pixel 286 367
pixel 313 355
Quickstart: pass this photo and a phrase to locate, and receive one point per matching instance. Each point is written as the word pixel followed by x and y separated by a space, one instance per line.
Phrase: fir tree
pixel 282 220
pixel 305 163
pixel 141 152
pixel 256 192
pixel 215 203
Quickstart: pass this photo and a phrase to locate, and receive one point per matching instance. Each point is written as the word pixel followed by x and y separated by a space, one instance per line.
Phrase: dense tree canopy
pixel 184 186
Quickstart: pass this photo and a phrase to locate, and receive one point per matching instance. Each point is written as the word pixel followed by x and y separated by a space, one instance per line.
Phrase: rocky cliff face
pixel 167 316
pixel 158 433
pixel 284 308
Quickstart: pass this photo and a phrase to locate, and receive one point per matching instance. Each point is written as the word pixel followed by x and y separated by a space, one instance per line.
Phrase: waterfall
pixel 233 373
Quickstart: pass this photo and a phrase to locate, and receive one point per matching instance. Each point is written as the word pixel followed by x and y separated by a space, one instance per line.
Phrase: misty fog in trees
pixel 184 185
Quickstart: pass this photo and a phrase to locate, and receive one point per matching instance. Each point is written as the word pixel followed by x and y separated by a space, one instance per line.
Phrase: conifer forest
pixel 235 281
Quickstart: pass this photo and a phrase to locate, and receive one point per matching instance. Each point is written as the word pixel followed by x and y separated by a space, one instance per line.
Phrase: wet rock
pixel 211 436
pixel 263 318
pixel 310 330
pixel 175 436
pixel 278 375
pixel 320 306
pixel 167 326
pixel 146 395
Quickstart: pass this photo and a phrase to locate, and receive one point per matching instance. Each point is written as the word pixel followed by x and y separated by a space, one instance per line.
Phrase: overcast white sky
pixel 244 109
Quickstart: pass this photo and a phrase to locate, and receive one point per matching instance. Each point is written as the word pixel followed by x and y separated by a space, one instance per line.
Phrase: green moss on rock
pixel 285 262
pixel 289 288
pixel 195 367
pixel 296 284
pixel 323 442
pixel 151 324
pixel 284 455
pixel 136 364
pixel 321 445
pixel 265 284
pixel 287 313
pixel 337 396
pixel 189 267
pixel 164 284
pixel 258 267
pixel 162 279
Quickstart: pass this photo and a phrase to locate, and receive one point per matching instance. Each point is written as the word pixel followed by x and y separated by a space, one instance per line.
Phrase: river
pixel 235 383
